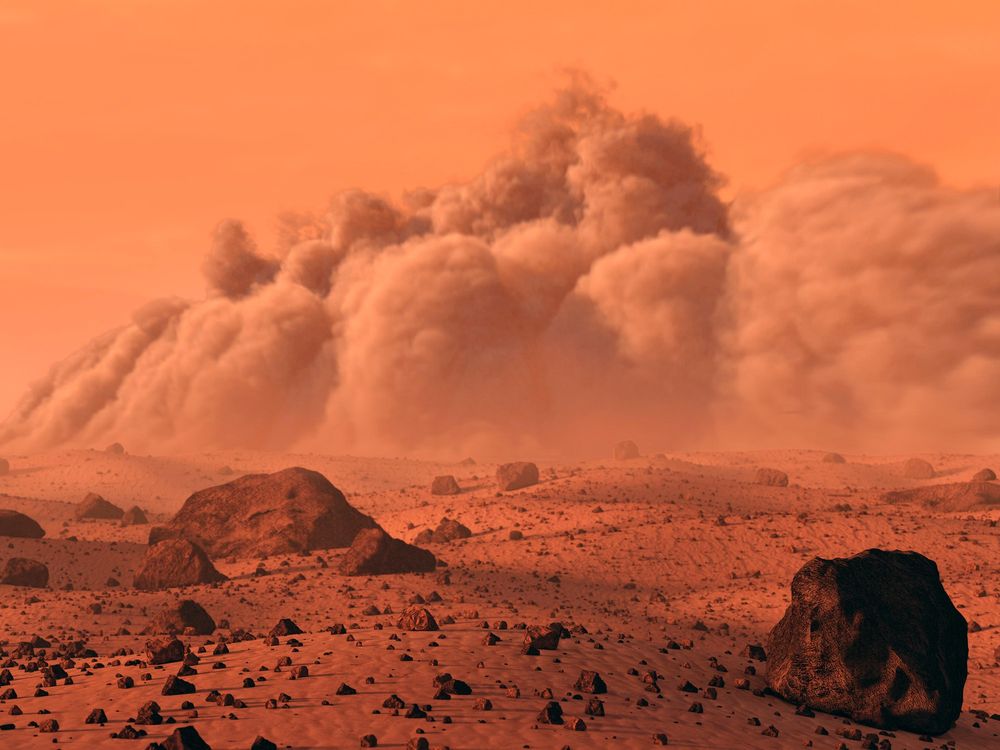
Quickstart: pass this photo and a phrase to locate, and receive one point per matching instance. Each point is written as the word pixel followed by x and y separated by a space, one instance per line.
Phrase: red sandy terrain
pixel 673 564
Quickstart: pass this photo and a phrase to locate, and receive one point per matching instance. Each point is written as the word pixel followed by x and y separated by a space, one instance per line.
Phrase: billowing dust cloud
pixel 589 286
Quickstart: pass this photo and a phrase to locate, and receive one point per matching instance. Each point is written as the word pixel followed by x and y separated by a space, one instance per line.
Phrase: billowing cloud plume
pixel 589 285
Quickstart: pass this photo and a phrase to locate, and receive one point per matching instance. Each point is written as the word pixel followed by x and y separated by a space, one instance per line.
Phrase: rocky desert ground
pixel 664 573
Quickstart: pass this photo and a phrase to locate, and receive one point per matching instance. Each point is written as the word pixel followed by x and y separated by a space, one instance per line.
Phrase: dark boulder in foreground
pixel 873 637
pixel 16 524
pixel 771 478
pixel 20 571
pixel 517 475
pixel 625 450
pixel 374 552
pixel 834 458
pixel 917 468
pixel 175 562
pixel 186 617
pixel 95 507
pixel 951 497
pixel 445 485
pixel 267 514
pixel 985 475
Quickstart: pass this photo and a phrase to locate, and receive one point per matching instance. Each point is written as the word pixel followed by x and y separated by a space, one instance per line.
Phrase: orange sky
pixel 130 127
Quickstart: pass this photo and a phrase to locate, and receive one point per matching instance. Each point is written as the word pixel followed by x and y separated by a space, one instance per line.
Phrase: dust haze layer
pixel 590 284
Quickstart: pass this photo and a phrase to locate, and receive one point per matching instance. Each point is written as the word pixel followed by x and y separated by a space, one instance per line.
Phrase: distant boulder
pixel 20 571
pixel 267 514
pixel 164 651
pixel 917 468
pixel 873 637
pixel 951 497
pixel 116 449
pixel 374 552
pixel 175 562
pixel 834 458
pixel 516 475
pixel 590 682
pixel 771 478
pixel 4 466
pixel 285 627
pixel 447 530
pixel 134 516
pixel 183 738
pixel 416 618
pixel 95 507
pixel 984 475
pixel 625 450
pixel 16 524
pixel 543 638
pixel 185 617
pixel 445 485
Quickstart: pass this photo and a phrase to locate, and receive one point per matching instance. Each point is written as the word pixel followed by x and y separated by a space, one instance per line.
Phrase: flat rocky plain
pixel 662 569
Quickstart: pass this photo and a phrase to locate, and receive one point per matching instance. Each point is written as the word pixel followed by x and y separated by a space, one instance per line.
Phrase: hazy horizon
pixel 114 207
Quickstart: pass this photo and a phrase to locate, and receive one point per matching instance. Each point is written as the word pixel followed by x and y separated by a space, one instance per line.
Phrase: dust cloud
pixel 589 285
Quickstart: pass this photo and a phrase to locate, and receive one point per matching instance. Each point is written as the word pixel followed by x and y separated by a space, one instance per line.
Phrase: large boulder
pixel 175 562
pixel 93 506
pixel 516 475
pixel 445 485
pixel 917 468
pixel 266 514
pixel 20 571
pixel 543 638
pixel 834 458
pixel 185 617
pixel 374 552
pixel 14 523
pixel 771 478
pixel 951 497
pixel 115 449
pixel 447 530
pixel 984 475
pixel 873 637
pixel 164 650
pixel 416 618
pixel 625 450
pixel 4 466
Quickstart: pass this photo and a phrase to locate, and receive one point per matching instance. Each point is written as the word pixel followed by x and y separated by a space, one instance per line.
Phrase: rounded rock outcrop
pixel 95 507
pixel 22 571
pixel 374 552
pixel 918 468
pixel 16 524
pixel 771 478
pixel 293 510
pixel 175 562
pixel 517 475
